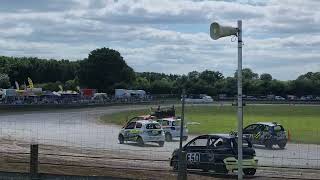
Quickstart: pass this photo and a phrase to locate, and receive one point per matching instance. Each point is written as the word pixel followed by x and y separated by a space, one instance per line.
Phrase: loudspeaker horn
pixel 217 31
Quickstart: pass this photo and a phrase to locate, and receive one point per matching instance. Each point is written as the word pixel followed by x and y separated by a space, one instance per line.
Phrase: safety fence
pixel 77 142
pixel 149 100
pixel 39 164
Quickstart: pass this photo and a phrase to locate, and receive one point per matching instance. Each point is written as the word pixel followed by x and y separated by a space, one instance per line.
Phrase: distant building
pixel 126 93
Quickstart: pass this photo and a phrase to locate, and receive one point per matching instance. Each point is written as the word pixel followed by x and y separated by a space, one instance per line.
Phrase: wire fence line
pixel 264 171
pixel 77 138
pixel 136 159
pixel 153 160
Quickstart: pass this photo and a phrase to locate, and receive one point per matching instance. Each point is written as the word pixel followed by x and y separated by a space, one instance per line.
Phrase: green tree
pixel 4 81
pixel 265 77
pixel 141 83
pixel 71 85
pixel 103 69
pixel 200 87
pixel 210 77
pixel 193 76
pixel 229 86
pixel 163 86
pixel 39 70
pixel 247 74
pixel 277 87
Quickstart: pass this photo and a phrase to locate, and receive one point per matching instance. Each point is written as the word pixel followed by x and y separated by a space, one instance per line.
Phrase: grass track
pixel 303 122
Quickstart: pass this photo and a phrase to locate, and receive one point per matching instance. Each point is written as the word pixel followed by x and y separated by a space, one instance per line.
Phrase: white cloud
pixel 19 30
pixel 277 34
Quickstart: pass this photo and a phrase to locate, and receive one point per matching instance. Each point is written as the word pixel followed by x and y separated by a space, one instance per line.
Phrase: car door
pixel 136 131
pixel 257 134
pixel 260 133
pixel 249 132
pixel 176 126
pixel 218 149
pixel 196 151
pixel 128 135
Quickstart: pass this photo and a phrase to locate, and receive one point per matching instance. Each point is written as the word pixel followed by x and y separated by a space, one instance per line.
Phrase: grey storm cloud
pixel 277 34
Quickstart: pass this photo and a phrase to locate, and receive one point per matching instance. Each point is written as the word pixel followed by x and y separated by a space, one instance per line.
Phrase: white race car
pixel 171 127
pixel 142 131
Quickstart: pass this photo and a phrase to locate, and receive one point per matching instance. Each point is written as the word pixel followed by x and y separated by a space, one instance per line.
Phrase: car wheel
pixel 268 144
pixel 249 171
pixel 282 145
pixel 161 143
pixel 168 137
pixel 221 168
pixel 121 139
pixel 140 141
pixel 174 163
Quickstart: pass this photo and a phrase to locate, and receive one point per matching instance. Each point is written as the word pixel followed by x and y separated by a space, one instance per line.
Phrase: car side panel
pixel 197 158
pixel 231 163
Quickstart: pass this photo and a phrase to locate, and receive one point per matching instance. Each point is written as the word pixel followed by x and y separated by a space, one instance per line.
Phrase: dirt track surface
pixel 80 131
pixel 73 161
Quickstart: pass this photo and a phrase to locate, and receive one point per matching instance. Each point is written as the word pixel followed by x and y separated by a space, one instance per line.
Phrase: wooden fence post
pixel 34 151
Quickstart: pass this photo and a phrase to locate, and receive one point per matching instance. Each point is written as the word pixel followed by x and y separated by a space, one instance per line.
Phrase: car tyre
pixel 268 144
pixel 221 168
pixel 161 143
pixel 282 145
pixel 121 139
pixel 140 141
pixel 168 137
pixel 249 171
pixel 174 163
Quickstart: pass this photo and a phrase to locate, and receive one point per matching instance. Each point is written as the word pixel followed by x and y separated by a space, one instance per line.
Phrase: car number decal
pixel 193 157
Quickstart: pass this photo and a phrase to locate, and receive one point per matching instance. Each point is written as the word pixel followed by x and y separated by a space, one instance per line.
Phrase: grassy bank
pixel 303 122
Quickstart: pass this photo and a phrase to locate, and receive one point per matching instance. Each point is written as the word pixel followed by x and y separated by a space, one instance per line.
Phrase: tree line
pixel 105 69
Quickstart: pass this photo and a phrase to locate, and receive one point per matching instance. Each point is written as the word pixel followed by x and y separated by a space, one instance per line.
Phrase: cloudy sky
pixel 281 37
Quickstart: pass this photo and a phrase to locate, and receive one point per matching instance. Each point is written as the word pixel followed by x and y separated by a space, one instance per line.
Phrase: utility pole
pixel 217 31
pixel 240 104
pixel 182 119
pixel 182 164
